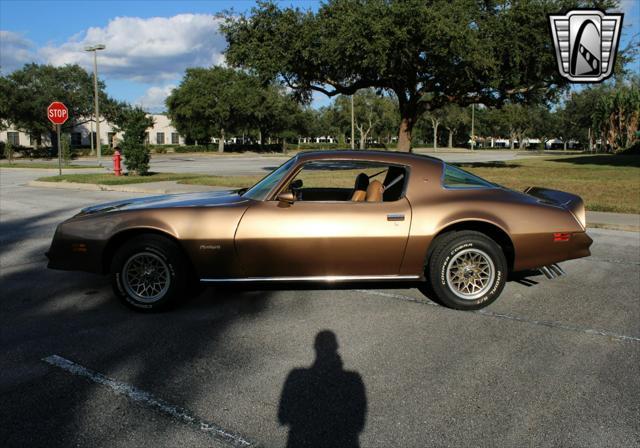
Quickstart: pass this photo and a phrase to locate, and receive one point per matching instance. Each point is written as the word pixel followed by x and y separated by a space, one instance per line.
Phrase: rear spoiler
pixel 568 201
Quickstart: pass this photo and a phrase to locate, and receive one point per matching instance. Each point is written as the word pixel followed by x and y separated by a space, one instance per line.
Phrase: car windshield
pixel 260 190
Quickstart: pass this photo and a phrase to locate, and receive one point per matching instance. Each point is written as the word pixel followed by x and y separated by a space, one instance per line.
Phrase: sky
pixel 149 43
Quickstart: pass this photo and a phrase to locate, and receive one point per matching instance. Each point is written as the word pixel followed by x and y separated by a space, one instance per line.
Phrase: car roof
pixel 404 158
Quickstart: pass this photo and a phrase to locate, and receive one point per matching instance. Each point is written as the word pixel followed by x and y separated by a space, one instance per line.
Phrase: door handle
pixel 395 217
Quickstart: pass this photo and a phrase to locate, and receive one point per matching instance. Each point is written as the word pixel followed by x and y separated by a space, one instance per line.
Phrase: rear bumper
pixel 535 251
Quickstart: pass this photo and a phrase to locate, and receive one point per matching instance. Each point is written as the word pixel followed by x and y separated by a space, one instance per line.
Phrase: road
pixel 556 363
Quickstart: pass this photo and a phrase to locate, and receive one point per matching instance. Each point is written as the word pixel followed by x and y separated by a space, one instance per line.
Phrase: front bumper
pixel 71 254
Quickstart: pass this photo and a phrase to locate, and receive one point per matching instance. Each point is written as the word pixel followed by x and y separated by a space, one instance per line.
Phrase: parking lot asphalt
pixel 555 363
pixel 237 164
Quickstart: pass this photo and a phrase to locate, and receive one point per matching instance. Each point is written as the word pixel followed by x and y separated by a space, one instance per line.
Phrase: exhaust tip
pixel 558 269
pixel 547 272
pixel 552 271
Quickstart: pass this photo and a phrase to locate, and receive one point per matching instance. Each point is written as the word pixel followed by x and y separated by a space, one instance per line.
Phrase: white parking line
pixel 544 323
pixel 147 399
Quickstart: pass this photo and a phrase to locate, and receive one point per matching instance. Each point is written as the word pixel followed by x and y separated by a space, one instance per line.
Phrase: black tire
pixel 166 262
pixel 460 247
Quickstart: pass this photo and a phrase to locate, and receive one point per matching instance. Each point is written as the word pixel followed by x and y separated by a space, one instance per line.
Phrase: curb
pixel 623 227
pixel 130 188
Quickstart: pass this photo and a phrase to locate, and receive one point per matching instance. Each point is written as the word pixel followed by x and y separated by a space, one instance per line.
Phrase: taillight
pixel 561 237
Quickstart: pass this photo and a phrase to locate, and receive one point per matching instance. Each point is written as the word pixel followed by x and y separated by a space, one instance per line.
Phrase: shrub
pixel 136 157
pixel 37 153
pixel 106 150
pixel 196 148
pixel 632 150
pixel 8 151
pixel 162 149
pixel 134 122
pixel 312 146
pixel 65 149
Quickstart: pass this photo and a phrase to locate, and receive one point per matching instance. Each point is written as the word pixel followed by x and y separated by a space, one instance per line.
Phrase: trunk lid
pixel 568 201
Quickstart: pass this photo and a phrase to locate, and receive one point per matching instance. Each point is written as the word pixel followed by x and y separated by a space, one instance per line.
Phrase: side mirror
pixel 286 196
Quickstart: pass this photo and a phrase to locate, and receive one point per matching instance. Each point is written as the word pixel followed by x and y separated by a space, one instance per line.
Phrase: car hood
pixel 204 199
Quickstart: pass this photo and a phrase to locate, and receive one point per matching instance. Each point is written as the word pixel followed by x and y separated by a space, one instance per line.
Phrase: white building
pixel 162 133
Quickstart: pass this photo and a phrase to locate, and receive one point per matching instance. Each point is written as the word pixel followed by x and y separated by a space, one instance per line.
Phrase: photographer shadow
pixel 323 405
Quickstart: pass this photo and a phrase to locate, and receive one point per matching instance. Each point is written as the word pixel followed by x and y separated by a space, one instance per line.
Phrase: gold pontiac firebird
pixel 330 216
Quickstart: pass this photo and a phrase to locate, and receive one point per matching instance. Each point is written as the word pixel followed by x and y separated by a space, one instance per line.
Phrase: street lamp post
pixel 353 132
pixel 95 49
pixel 473 126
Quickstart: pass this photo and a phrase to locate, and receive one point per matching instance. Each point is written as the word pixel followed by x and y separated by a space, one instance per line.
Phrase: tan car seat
pixel 360 188
pixel 374 191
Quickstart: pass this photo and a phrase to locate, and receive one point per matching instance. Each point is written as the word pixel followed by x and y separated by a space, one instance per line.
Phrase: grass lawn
pixel 605 182
pixel 289 153
pixel 43 165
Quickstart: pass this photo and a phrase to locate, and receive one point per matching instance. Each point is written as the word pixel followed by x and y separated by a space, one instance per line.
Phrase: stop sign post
pixel 58 114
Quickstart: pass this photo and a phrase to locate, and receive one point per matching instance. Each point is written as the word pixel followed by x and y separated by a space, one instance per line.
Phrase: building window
pixel 175 139
pixel 76 139
pixel 13 138
pixel 110 137
pixel 160 138
pixel 92 139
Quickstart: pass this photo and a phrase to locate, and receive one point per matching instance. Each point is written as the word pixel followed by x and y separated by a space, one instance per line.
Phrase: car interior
pixel 384 184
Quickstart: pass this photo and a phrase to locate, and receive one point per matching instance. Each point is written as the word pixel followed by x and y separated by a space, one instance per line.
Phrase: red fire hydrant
pixel 117 169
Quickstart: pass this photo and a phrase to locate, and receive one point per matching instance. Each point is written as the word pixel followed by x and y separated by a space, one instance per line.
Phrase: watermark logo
pixel 586 42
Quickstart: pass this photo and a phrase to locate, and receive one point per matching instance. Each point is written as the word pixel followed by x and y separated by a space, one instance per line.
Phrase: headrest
pixel 362 182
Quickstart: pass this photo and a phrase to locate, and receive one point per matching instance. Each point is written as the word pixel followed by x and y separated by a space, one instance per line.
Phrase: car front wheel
pixel 467 270
pixel 148 272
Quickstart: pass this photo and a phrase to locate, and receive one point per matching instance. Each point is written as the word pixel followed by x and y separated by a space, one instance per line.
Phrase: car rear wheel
pixel 467 270
pixel 149 273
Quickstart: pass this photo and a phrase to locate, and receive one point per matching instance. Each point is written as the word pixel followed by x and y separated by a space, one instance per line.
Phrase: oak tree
pixel 26 93
pixel 429 53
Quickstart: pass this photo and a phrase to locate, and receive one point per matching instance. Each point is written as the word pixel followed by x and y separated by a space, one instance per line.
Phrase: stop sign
pixel 57 113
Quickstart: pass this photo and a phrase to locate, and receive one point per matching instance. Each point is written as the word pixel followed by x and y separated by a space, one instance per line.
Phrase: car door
pixel 323 239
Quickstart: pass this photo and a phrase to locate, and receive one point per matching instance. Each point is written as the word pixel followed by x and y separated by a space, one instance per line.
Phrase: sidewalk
pixel 616 221
pixel 603 220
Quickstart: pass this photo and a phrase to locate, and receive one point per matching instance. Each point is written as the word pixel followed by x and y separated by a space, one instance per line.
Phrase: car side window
pixel 348 180
pixel 454 177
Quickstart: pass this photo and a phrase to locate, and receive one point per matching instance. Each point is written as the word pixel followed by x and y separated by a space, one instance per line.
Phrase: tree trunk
pixel 363 140
pixel 221 141
pixel 565 145
pixel 404 134
pixel 450 139
pixel 521 143
pixel 435 137
pixel 410 108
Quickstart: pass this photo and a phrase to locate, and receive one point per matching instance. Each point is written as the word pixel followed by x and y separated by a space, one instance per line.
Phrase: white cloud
pixel 145 50
pixel 15 51
pixel 153 99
